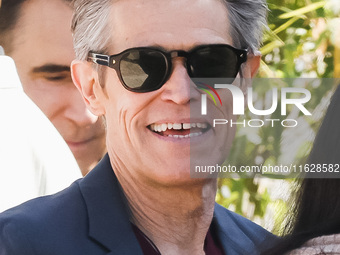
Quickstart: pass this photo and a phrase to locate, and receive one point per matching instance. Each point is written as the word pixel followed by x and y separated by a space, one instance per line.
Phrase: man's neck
pixel 177 218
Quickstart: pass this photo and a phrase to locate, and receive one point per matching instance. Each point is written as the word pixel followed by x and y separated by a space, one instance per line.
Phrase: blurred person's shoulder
pixel 327 244
pixel 34 159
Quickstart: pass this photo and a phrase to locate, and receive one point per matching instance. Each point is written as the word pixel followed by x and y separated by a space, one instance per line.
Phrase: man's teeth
pixel 186 125
pixel 186 136
pixel 177 126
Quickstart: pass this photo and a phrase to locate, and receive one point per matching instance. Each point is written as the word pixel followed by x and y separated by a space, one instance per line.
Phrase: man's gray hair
pixel 92 31
pixel 248 19
pixel 90 26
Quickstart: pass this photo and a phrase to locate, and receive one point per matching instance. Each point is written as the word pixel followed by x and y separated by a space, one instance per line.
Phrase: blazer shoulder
pixel 39 220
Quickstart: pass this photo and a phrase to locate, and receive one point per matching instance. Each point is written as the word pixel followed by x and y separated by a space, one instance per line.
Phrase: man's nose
pixel 178 88
pixel 76 110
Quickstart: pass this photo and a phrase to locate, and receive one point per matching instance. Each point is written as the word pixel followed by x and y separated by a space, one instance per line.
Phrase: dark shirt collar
pixel 211 247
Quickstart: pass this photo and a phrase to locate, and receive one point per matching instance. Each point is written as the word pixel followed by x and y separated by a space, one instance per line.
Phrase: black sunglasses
pixel 147 69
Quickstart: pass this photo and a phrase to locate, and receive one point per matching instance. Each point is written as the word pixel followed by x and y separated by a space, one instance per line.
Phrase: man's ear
pixel 253 63
pixel 249 71
pixel 86 80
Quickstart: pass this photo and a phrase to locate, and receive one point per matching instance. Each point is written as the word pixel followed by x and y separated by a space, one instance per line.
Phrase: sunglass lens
pixel 143 70
pixel 214 62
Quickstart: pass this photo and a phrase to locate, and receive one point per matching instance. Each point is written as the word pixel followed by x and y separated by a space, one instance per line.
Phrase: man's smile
pixel 179 130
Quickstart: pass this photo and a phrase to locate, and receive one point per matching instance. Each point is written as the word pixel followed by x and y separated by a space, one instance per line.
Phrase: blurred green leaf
pixel 301 11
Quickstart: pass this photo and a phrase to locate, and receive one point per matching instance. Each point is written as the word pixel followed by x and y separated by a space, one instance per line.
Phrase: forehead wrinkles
pixel 170 12
pixel 170 18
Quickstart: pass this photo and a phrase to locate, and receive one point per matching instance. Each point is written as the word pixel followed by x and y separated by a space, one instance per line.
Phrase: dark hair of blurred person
pixel 315 218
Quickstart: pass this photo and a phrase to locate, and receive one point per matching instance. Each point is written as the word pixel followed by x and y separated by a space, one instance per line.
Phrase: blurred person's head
pixel 36 34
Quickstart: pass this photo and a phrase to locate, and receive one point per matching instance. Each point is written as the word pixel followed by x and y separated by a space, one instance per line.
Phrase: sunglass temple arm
pixel 99 58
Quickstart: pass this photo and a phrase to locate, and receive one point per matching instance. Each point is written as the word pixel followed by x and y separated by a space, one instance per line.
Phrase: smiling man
pixel 134 64
pixel 36 34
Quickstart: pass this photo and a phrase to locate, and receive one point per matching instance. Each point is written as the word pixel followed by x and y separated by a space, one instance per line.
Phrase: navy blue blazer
pixel 91 217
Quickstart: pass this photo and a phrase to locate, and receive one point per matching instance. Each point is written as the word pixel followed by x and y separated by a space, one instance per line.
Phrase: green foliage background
pixel 303 40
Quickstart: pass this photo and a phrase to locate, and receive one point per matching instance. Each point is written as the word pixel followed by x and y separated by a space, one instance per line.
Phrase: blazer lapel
pixel 108 216
pixel 109 224
pixel 238 235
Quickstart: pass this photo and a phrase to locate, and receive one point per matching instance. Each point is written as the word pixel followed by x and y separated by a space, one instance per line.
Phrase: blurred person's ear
pixel 86 80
